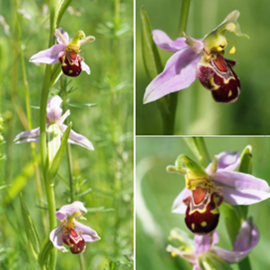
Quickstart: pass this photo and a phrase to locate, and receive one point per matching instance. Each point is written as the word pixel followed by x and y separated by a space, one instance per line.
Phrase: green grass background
pixel 197 112
pixel 107 171
pixel 156 190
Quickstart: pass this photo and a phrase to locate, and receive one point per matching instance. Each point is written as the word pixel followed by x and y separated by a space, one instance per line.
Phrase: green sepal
pixel 235 27
pixel 32 236
pixel 193 168
pixel 245 160
pixel 64 5
pixel 210 261
pixel 45 251
pixel 217 36
pixel 198 148
pixel 150 53
pixel 233 216
pixel 53 141
pixel 245 167
pixel 55 74
pixel 55 164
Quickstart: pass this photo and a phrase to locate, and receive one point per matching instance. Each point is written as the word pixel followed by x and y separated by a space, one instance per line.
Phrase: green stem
pixel 168 104
pixel 13 90
pixel 70 170
pixel 69 154
pixel 116 27
pixel 184 17
pixel 51 208
pixel 198 147
pixel 82 265
pixel 29 119
pixel 49 184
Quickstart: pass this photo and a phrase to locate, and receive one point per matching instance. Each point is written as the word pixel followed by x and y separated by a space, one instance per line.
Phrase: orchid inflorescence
pixel 198 58
pixel 70 232
pixel 206 189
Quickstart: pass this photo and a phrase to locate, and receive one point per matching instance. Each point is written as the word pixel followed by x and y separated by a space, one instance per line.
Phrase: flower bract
pixel 198 58
pixel 207 188
pixel 71 232
pixel 66 52
pixel 204 255
pixel 55 126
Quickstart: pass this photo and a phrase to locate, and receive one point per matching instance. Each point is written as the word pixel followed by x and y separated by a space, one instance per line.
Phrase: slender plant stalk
pixel 29 120
pixel 43 146
pixel 14 78
pixel 198 147
pixel 168 104
pixel 184 17
pixel 113 127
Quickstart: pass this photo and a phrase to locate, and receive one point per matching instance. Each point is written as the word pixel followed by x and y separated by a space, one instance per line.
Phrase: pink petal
pixel 56 238
pixel 88 233
pixel 240 188
pixel 69 209
pixel 204 243
pixel 49 56
pixel 54 110
pixel 228 160
pixel 65 35
pixel 246 239
pixel 28 136
pixel 188 256
pixel 179 73
pixel 78 139
pixel 85 67
pixel 165 43
pixel 178 206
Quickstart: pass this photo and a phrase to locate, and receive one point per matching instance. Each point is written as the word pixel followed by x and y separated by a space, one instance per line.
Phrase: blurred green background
pixel 103 179
pixel 156 190
pixel 197 112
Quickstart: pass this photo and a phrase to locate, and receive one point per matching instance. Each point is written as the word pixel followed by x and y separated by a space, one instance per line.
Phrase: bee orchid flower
pixel 204 255
pixel 198 58
pixel 207 188
pixel 66 52
pixel 55 126
pixel 71 232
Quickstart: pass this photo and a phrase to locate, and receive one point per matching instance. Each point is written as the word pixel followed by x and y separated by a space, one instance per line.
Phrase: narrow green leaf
pixel 62 10
pixel 20 180
pixel 55 74
pixel 151 56
pixel 245 167
pixel 233 217
pixel 44 254
pixel 85 105
pixel 198 148
pixel 30 229
pixel 55 164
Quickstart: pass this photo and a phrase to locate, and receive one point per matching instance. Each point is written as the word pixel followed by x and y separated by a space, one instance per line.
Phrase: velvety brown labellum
pixel 202 213
pixel 218 76
pixel 74 240
pixel 71 63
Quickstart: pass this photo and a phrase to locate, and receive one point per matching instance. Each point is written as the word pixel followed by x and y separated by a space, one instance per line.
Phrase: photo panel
pixel 213 81
pixel 202 202
pixel 66 134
